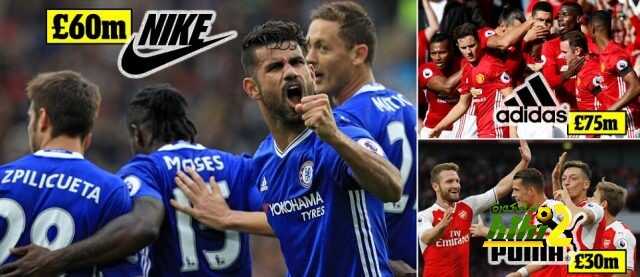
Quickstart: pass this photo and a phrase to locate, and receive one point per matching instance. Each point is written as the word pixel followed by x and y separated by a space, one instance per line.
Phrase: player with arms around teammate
pixel 485 82
pixel 341 46
pixel 322 186
pixel 56 188
pixel 444 228
pixel 438 80
pixel 164 138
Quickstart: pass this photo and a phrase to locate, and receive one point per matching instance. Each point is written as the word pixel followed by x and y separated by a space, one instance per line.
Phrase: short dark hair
pixel 70 101
pixel 614 195
pixel 531 177
pixel 356 27
pixel 578 164
pixel 162 110
pixel 542 7
pixel 435 172
pixel 602 20
pixel 510 14
pixel 273 34
pixel 440 37
pixel 464 30
pixel 576 39
pixel 573 6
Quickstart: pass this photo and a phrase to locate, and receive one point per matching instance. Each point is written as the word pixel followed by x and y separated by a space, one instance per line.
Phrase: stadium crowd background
pixel 225 117
pixel 484 163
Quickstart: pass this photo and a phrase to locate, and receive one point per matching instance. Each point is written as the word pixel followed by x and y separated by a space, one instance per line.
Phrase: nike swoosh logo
pixel 134 65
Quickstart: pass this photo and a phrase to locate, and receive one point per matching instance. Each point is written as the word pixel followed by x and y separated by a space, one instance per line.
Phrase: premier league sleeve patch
pixel 505 78
pixel 427 73
pixel 371 145
pixel 622 66
pixel 133 184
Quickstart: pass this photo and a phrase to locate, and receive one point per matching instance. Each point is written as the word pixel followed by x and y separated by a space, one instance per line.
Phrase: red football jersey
pixel 485 80
pixel 438 105
pixel 618 236
pixel 423 46
pixel 554 63
pixel 589 83
pixel 484 33
pixel 614 62
pixel 448 256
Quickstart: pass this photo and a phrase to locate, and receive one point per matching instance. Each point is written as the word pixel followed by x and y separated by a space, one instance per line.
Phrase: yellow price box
pixel 597 123
pixel 598 261
pixel 100 26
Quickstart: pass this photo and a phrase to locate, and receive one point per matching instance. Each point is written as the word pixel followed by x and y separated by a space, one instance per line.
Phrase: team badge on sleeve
pixel 489 33
pixel 133 184
pixel 621 243
pixel 505 78
pixel 306 174
pixel 427 73
pixel 371 146
pixel 622 65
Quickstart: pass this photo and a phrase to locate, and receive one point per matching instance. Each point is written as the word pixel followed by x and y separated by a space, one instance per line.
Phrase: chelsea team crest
pixel 306 174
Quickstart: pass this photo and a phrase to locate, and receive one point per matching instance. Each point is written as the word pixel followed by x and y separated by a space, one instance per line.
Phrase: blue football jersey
pixel 327 225
pixel 54 198
pixel 186 247
pixel 391 120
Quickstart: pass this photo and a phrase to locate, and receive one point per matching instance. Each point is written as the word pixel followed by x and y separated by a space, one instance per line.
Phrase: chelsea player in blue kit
pixel 55 197
pixel 341 41
pixel 163 136
pixel 322 183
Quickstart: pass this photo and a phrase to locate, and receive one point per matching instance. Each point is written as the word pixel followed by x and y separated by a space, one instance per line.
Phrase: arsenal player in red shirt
pixel 589 82
pixel 438 79
pixel 444 227
pixel 621 85
pixel 484 80
pixel 616 235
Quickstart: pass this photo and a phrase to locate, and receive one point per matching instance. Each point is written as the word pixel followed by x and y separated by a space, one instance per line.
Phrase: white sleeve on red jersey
pixel 425 222
pixel 625 240
pixel 482 202
pixel 597 210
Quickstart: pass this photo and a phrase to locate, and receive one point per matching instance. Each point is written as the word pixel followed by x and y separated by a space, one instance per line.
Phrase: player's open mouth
pixel 293 91
pixel 454 191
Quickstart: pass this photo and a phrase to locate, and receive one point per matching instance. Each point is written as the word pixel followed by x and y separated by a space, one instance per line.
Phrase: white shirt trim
pixel 297 140
pixel 58 154
pixel 180 145
pixel 370 87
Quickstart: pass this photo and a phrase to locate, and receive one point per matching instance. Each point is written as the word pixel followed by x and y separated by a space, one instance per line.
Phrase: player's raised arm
pixel 119 238
pixel 482 202
pixel 210 208
pixel 372 171
pixel 511 37
pixel 503 188
pixel 431 233
pixel 556 176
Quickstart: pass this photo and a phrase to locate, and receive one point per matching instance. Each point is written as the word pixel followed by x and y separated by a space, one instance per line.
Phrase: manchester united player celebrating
pixel 616 235
pixel 573 45
pixel 485 80
pixel 438 80
pixel 555 68
pixel 444 227
pixel 620 83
